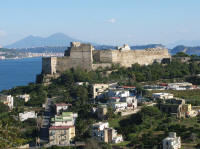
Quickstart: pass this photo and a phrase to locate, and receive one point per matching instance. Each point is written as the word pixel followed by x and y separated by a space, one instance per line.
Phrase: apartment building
pixel 61 135
pixel 172 141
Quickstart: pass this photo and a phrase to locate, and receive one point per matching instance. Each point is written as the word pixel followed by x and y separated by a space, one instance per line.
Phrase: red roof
pixel 128 86
pixel 115 97
pixel 59 127
pixel 163 84
pixel 63 104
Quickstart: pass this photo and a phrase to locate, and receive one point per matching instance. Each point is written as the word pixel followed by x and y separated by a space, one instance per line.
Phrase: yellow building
pixel 61 135
pixel 187 107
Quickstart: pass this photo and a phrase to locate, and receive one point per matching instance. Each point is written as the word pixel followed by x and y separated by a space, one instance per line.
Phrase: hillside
pixel 10 53
pixel 187 50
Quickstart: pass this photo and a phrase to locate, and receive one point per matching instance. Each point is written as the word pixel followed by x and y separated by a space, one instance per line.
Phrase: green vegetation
pixel 37 93
pixel 14 133
pixel 145 129
pixel 181 54
pixel 155 72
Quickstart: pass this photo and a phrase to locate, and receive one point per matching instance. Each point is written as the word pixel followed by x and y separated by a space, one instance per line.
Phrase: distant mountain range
pixel 61 49
pixel 59 42
pixel 58 39
pixel 186 49
pixel 189 43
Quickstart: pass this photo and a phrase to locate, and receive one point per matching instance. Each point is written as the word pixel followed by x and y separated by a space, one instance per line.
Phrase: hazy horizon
pixel 104 22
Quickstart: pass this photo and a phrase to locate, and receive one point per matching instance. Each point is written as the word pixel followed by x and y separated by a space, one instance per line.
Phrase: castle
pixel 80 55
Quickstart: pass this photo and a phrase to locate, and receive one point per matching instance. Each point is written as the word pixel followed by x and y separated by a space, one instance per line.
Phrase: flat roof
pixel 59 127
pixel 63 104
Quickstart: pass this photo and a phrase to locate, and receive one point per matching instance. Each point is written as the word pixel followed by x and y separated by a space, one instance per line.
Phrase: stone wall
pixel 101 65
pixel 49 65
pixel 82 56
pixel 128 57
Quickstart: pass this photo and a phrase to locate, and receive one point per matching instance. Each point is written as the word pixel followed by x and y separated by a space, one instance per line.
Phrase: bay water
pixel 19 72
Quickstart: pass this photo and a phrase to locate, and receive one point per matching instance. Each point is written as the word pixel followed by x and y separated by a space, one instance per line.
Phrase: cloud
pixel 112 20
pixel 2 33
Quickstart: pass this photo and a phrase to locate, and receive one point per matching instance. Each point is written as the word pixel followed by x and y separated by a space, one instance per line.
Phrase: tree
pixel 3 108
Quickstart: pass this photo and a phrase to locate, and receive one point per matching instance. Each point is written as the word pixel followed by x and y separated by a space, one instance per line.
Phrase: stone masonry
pixel 84 56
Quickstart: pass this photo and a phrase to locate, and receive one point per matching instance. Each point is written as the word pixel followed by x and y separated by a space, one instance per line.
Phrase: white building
pixel 103 133
pixel 2 57
pixel 124 48
pixel 163 96
pixel 26 115
pixel 100 126
pixel 81 83
pixel 172 142
pixel 131 102
pixel 7 100
pixel 65 119
pixel 61 106
pixel 118 93
pixel 117 138
pixel 119 106
pixel 180 86
pixel 26 97
pixel 113 99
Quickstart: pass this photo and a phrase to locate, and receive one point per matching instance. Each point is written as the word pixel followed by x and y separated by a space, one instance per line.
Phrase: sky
pixel 102 21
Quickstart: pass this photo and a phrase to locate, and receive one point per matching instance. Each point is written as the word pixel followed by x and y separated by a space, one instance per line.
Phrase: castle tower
pixel 49 65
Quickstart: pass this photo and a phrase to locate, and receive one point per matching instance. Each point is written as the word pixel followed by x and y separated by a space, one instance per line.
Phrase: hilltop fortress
pixel 80 55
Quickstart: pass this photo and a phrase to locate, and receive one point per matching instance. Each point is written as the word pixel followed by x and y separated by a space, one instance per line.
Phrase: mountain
pixel 61 49
pixel 189 43
pixel 147 46
pixel 186 49
pixel 139 47
pixel 58 39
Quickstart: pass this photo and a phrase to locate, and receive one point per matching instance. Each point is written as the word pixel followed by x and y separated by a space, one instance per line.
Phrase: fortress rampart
pixel 84 56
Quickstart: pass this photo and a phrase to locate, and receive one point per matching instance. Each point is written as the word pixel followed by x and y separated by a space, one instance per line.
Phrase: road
pixel 48 113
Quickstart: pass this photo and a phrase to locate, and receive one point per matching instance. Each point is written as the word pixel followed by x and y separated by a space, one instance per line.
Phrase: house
pixel 173 106
pixel 101 111
pixel 162 96
pixel 189 112
pixel 131 102
pixel 99 90
pixel 172 142
pixel 64 119
pixel 26 97
pixel 61 135
pixel 118 93
pixel 183 59
pixel 7 100
pixel 61 107
pixel 180 86
pixel 111 136
pixel 113 99
pixel 155 87
pixel 26 115
pixel 122 103
pixel 103 133
pixel 119 106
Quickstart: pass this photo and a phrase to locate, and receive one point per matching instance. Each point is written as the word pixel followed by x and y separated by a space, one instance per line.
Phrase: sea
pixel 19 72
